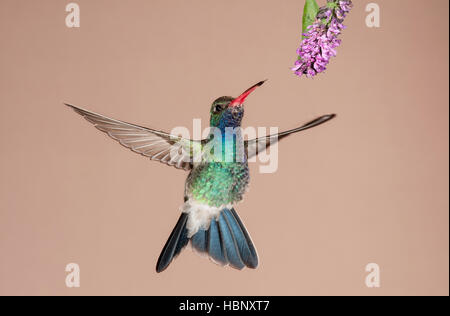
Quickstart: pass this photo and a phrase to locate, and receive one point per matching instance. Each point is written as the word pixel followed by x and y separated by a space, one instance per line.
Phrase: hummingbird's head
pixel 228 111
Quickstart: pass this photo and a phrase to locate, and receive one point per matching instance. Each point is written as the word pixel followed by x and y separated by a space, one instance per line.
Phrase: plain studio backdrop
pixel 369 186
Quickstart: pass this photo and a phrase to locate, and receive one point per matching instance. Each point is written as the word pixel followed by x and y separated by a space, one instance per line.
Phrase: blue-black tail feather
pixel 242 239
pixel 226 242
pixel 251 247
pixel 176 242
pixel 215 245
pixel 229 243
pixel 200 240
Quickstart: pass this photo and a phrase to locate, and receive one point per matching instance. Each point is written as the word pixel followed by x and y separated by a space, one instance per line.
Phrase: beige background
pixel 371 186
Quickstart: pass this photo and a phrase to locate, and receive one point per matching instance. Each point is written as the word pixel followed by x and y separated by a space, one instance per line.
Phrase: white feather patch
pixel 200 215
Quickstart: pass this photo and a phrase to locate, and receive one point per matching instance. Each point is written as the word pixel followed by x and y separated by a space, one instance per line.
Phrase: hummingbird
pixel 217 180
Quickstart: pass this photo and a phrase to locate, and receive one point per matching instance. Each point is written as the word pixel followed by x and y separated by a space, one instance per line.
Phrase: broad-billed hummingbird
pixel 218 178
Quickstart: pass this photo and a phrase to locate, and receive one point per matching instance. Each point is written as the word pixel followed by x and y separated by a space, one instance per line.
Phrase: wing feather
pixel 256 145
pixel 156 145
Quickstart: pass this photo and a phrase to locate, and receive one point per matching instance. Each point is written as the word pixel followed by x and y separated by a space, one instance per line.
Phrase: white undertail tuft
pixel 200 215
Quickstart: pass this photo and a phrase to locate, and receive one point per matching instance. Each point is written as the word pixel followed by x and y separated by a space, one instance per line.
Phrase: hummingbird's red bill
pixel 240 99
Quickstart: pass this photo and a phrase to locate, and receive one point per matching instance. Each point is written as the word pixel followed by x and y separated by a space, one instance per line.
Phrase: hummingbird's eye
pixel 217 108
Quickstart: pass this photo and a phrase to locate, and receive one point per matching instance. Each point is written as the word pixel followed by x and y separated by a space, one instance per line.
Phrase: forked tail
pixel 225 241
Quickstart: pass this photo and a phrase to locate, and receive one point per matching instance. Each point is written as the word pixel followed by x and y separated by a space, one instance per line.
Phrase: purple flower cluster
pixel 321 39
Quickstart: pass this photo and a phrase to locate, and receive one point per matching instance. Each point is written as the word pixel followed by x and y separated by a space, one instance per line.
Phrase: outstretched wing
pixel 256 145
pixel 157 145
